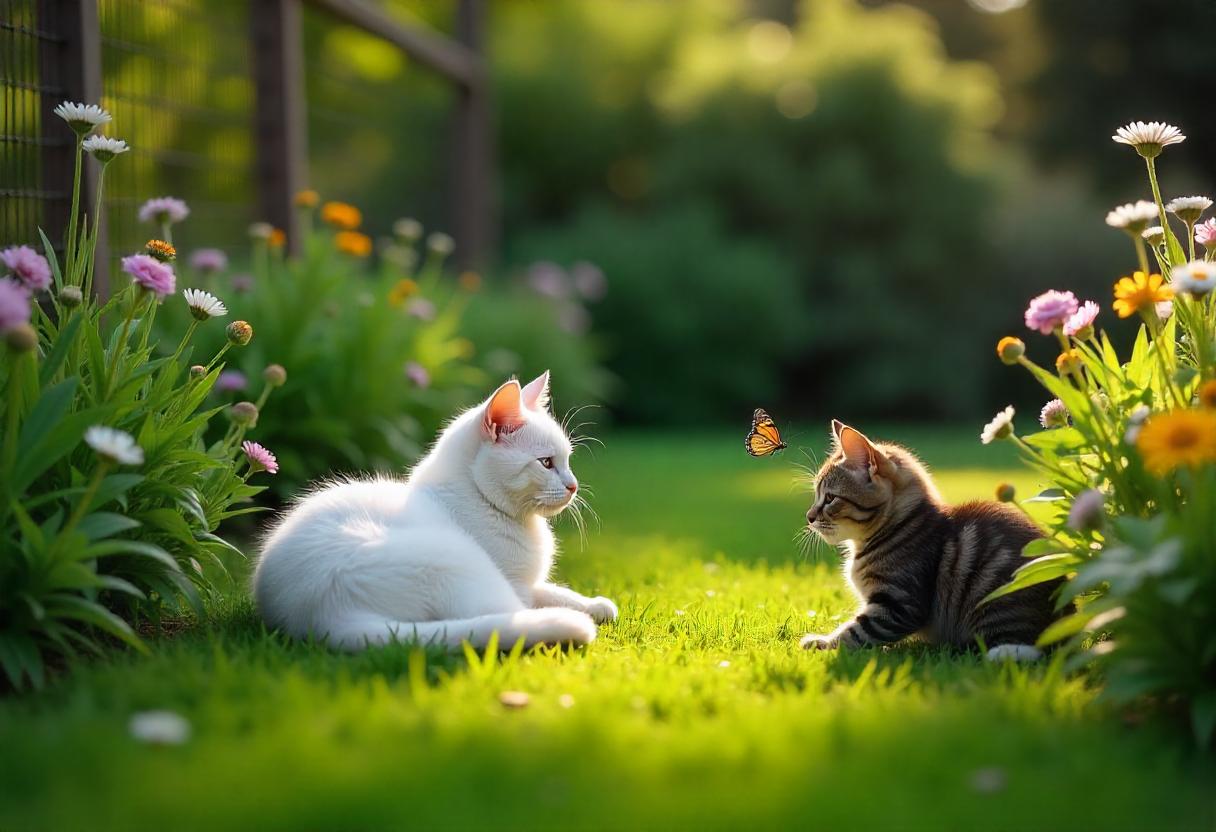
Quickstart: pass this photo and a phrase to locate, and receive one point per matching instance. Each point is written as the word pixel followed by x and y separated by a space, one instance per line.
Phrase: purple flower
pixel 208 260
pixel 416 373
pixel 421 308
pixel 548 280
pixel 1050 310
pixel 1054 415
pixel 230 381
pixel 15 307
pixel 1205 233
pixel 1081 322
pixel 589 280
pixel 29 266
pixel 1088 511
pixel 242 283
pixel 259 458
pixel 163 209
pixel 150 273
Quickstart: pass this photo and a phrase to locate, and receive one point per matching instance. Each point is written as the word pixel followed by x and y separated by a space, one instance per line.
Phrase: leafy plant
pixel 110 497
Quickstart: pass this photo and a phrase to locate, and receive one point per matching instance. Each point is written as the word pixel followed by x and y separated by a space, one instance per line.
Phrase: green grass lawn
pixel 696 710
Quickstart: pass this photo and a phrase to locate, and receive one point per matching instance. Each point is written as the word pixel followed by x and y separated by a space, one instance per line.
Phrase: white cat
pixel 458 551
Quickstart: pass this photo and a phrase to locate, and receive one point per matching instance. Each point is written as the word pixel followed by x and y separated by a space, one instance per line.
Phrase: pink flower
pixel 548 280
pixel 1205 233
pixel 150 273
pixel 421 308
pixel 242 283
pixel 29 266
pixel 1082 319
pixel 1050 310
pixel 589 280
pixel 230 381
pixel 209 260
pixel 416 373
pixel 14 304
pixel 1054 415
pixel 163 209
pixel 259 458
pixel 1164 309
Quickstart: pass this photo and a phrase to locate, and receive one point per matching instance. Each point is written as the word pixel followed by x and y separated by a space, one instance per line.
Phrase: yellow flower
pixel 469 281
pixel 353 243
pixel 162 251
pixel 1140 292
pixel 1069 361
pixel 278 237
pixel 307 199
pixel 341 215
pixel 1178 439
pixel 1207 394
pixel 402 290
pixel 1010 349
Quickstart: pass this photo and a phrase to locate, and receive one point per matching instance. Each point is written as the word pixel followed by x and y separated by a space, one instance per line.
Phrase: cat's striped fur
pixel 920 566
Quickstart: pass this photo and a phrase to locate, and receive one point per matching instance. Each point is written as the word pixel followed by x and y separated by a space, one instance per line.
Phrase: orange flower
pixel 1184 438
pixel 307 199
pixel 1069 361
pixel 353 243
pixel 1140 293
pixel 162 251
pixel 278 237
pixel 1010 349
pixel 469 281
pixel 341 215
pixel 402 290
pixel 1207 394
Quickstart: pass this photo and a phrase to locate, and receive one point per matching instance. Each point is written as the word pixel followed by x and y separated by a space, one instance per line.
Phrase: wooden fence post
pixel 280 129
pixel 72 56
pixel 473 201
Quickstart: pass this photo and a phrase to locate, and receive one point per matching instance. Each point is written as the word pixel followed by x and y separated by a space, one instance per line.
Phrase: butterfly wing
pixel 764 438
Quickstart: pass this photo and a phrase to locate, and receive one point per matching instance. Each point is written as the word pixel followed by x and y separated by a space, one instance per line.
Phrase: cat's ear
pixel 860 452
pixel 837 426
pixel 503 413
pixel 536 392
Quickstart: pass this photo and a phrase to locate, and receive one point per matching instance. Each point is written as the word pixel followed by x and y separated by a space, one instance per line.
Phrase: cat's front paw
pixel 601 609
pixel 818 641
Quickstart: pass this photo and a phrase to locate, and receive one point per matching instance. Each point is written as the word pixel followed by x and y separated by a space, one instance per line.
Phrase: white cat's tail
pixel 551 625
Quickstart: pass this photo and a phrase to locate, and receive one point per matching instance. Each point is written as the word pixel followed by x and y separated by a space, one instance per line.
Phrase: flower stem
pixel 120 346
pixel 1141 254
pixel 219 355
pixel 87 279
pixel 185 340
pixel 83 506
pixel 70 252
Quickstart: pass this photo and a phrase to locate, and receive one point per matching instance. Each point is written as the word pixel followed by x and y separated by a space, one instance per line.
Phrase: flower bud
pixel 71 296
pixel 1010 349
pixel 1006 493
pixel 261 231
pixel 1087 512
pixel 21 338
pixel 408 229
pixel 162 251
pixel 198 371
pixel 440 244
pixel 308 199
pixel 275 375
pixel 240 333
pixel 244 414
pixel 1069 361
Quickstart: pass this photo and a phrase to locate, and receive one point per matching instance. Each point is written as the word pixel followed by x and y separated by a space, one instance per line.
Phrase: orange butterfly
pixel 764 438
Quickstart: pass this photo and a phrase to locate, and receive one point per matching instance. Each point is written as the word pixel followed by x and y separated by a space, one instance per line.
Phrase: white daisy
pixel 1133 217
pixel 1154 235
pixel 1001 427
pixel 83 118
pixel 204 305
pixel 260 230
pixel 408 229
pixel 440 243
pixel 1196 278
pixel 1188 208
pixel 114 445
pixel 159 727
pixel 1149 138
pixel 104 148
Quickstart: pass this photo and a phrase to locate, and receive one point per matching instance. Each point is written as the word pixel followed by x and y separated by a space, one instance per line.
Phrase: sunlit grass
pixel 695 709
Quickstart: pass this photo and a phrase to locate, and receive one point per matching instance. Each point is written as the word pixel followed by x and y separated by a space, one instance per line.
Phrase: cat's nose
pixel 811 515
pixel 572 487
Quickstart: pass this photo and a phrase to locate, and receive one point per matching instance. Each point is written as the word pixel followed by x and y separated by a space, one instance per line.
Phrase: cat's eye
pixel 546 462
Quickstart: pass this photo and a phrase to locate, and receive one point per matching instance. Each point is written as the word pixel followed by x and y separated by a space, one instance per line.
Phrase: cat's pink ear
pixel 503 413
pixel 536 392
pixel 860 452
pixel 837 426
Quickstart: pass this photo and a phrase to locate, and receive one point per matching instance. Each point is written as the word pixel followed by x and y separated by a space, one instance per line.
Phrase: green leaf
pixel 64 341
pixel 48 251
pixel 102 524
pixel 1060 440
pixel 1047 495
pixel 63 605
pixel 1063 628
pixel 1203 717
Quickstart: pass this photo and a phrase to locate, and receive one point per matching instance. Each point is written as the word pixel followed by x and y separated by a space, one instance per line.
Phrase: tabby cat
pixel 918 565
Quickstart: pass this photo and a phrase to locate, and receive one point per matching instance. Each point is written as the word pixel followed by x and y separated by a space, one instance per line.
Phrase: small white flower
pixel 104 148
pixel 440 243
pixel 1164 309
pixel 1188 208
pixel 115 445
pixel 1133 217
pixel 260 230
pixel 408 229
pixel 83 118
pixel 1154 235
pixel 1001 427
pixel 1196 278
pixel 1149 138
pixel 159 727
pixel 204 305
